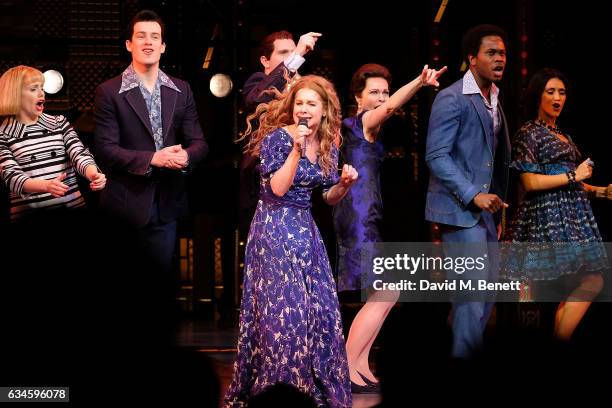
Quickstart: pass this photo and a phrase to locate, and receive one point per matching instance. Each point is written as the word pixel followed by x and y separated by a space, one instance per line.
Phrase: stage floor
pixel 218 342
pixel 413 327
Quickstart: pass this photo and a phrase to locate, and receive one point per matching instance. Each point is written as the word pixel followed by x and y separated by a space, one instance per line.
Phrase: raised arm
pixel 282 179
pixel 337 192
pixel 374 118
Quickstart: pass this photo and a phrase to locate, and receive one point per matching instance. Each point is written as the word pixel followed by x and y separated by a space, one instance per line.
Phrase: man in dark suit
pixel 468 154
pixel 280 59
pixel 147 137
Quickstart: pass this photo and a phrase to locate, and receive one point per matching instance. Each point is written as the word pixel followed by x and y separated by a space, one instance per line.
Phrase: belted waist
pixel 270 198
pixel 317 248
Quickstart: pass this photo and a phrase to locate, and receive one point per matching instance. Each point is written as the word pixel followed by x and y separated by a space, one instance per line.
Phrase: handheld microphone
pixel 303 122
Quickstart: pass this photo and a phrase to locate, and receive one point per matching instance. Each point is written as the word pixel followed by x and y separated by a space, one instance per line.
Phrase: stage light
pixel 54 81
pixel 221 85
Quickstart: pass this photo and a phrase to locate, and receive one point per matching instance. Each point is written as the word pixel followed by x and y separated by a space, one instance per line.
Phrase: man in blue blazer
pixel 468 153
pixel 147 137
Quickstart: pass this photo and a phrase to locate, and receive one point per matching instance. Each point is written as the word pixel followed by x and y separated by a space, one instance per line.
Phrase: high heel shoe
pixel 370 383
pixel 362 389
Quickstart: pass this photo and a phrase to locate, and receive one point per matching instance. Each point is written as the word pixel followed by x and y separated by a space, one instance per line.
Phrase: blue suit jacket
pixel 460 156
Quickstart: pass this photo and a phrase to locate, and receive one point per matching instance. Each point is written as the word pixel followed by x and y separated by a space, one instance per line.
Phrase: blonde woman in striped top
pixel 40 154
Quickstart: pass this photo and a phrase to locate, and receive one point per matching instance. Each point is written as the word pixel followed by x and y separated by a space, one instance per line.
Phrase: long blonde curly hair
pixel 279 112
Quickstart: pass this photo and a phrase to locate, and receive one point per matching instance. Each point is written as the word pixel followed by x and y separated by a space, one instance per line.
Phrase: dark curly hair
pixel 470 44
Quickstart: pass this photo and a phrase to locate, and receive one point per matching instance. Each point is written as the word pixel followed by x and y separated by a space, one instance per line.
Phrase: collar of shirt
pixel 130 80
pixel 470 87
pixel 11 127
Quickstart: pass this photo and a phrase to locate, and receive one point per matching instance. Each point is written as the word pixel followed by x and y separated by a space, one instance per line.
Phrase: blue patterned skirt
pixel 553 234
pixel 290 325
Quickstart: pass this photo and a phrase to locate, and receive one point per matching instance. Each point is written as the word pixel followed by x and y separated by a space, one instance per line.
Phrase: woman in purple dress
pixel 357 217
pixel 290 326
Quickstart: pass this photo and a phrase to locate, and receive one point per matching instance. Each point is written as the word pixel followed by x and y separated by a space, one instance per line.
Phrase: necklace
pixel 554 129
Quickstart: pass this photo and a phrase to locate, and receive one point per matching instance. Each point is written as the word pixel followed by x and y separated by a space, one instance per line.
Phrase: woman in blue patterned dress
pixel 290 326
pixel 555 208
pixel 357 217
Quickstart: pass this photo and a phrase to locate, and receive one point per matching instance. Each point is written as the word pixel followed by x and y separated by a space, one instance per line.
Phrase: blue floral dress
pixel 557 226
pixel 290 325
pixel 358 216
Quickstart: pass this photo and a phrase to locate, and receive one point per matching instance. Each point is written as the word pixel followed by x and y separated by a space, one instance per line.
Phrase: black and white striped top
pixel 42 150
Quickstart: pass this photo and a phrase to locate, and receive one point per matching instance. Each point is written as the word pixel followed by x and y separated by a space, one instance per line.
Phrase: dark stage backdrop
pixel 85 41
